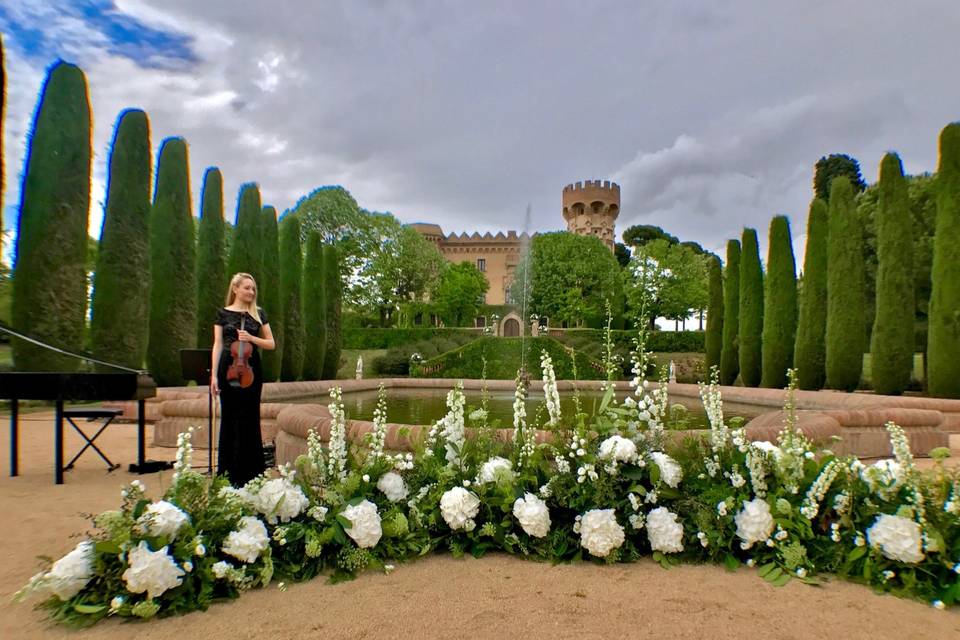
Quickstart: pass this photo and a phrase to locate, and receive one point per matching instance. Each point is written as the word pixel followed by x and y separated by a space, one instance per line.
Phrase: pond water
pixel 426 406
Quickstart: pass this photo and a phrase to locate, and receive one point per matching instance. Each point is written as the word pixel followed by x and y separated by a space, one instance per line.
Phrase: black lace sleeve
pixel 263 316
pixel 221 318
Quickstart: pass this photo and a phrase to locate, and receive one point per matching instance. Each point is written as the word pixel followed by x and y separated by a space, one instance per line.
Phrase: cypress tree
pixel 246 254
pixel 3 102
pixel 729 356
pixel 212 278
pixel 332 296
pixel 291 269
pixel 751 309
pixel 173 292
pixel 780 305
pixel 314 309
pixel 809 357
pixel 714 336
pixel 891 352
pixel 121 285
pixel 50 279
pixel 943 342
pixel 846 330
pixel 270 297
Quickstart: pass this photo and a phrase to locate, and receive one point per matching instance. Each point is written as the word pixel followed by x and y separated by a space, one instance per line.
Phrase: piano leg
pixel 58 445
pixel 141 433
pixel 14 436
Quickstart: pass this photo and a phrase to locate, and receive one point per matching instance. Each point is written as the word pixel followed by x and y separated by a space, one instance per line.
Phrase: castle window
pixel 480 322
pixel 482 264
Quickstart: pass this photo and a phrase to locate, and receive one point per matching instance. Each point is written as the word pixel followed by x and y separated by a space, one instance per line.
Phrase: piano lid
pixel 31 385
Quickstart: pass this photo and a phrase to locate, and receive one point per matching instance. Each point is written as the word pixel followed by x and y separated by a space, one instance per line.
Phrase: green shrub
pixel 246 253
pixel 333 293
pixel 810 352
pixel 780 306
pixel 270 298
pixel 212 277
pixel 730 354
pixel 751 310
pixel 291 273
pixel 314 309
pixel 379 338
pixel 713 338
pixel 503 360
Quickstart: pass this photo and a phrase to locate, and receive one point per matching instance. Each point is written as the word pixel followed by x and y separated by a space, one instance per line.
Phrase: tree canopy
pixel 833 166
pixel 679 277
pixel 459 293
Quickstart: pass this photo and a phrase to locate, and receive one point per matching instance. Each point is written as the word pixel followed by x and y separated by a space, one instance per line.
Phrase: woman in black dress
pixel 241 446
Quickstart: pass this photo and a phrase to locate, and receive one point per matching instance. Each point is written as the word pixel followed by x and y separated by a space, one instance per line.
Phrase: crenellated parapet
pixel 591 207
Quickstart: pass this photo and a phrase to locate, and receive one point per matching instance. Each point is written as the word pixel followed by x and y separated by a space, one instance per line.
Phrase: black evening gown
pixel 241 445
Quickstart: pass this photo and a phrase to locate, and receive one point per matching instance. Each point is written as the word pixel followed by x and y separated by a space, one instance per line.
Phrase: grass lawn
pixel 349 357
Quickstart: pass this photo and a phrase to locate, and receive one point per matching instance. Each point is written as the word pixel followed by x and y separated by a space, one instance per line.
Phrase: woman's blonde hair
pixel 232 293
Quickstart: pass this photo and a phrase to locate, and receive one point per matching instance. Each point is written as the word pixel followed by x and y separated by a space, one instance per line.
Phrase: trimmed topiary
pixel 173 292
pixel 121 284
pixel 291 274
pixel 751 309
pixel 730 356
pixel 846 299
pixel 810 353
pixel 49 276
pixel 714 335
pixel 780 306
pixel 892 341
pixel 212 279
pixel 333 294
pixel 314 309
pixel 270 298
pixel 246 253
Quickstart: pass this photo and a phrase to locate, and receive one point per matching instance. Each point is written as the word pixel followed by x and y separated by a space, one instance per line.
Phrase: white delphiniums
pixel 754 522
pixel 663 531
pixel 671 473
pixel 184 457
pixel 533 515
pixel 152 572
pixel 248 541
pixel 524 436
pixel 162 518
pixel 600 533
pixel 68 575
pixel 794 447
pixel 337 464
pixel 712 401
pixel 365 527
pixel 391 485
pixel 279 498
pixel 756 463
pixel 897 538
pixel 550 393
pixel 495 469
pixel 459 507
pixel 819 488
pixel 378 437
pixel 450 429
pixel 315 455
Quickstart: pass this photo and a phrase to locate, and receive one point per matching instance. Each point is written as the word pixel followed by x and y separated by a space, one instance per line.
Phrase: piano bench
pixel 106 416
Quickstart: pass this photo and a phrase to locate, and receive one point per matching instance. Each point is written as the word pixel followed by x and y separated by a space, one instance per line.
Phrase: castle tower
pixel 591 208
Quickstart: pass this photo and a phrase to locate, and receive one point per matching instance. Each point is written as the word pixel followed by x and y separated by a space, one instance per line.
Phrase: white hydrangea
pixel 897 538
pixel 365 528
pixel 494 469
pixel 882 476
pixel 71 573
pixel 619 449
pixel 663 531
pixel 152 572
pixel 459 507
pixel 671 473
pixel 392 486
pixel 533 515
pixel 754 522
pixel 278 499
pixel 600 533
pixel 247 542
pixel 162 518
pixel 221 569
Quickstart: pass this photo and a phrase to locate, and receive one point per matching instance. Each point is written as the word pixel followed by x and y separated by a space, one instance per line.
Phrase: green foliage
pixel 246 253
pixel 571 277
pixel 833 166
pixel 730 355
pixel 121 285
pixel 640 234
pixel 269 293
pixel 291 278
pixel 674 283
pixel 50 281
pixel 943 368
pixel 751 310
pixel 503 357
pixel 3 175
pixel 846 329
pixel 406 267
pixel 357 338
pixel 212 278
pixel 892 339
pixel 780 306
pixel 333 298
pixel 622 253
pixel 314 309
pixel 714 335
pixel 396 361
pixel 173 293
pixel 810 353
pixel 459 293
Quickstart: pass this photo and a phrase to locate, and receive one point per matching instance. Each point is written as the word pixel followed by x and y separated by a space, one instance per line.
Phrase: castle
pixel 590 208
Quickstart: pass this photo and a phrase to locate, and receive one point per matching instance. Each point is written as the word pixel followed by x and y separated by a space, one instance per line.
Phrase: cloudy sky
pixel 709 114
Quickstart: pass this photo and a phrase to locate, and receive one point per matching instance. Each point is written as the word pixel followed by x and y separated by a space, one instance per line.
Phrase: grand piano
pixel 73 387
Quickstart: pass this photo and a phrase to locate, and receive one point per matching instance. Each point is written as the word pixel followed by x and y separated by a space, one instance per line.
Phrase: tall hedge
pixel 780 306
pixel 246 254
pixel 270 298
pixel 314 309
pixel 891 351
pixel 943 365
pixel 50 279
pixel 751 309
pixel 121 285
pixel 730 356
pixel 333 294
pixel 846 297
pixel 714 337
pixel 212 278
pixel 3 103
pixel 810 352
pixel 173 292
pixel 291 274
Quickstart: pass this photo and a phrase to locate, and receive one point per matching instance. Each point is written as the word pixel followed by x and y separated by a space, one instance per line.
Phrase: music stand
pixel 195 365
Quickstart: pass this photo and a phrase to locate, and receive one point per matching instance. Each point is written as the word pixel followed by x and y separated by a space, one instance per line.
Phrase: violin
pixel 240 373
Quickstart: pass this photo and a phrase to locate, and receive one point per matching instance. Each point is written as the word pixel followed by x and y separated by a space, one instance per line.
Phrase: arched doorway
pixel 511 328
